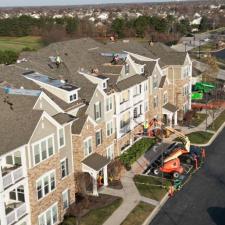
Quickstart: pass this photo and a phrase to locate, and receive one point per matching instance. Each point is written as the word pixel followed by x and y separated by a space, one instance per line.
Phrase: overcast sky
pixel 65 2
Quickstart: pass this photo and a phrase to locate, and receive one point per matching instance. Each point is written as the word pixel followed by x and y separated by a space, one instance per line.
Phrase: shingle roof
pixel 63 118
pixel 167 55
pixel 170 107
pixel 79 123
pixel 162 81
pixel 96 161
pixel 129 82
pixel 17 120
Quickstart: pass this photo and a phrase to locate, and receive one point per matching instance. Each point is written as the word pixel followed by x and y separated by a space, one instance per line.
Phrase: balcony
pixel 124 106
pixel 125 129
pixel 138 120
pixel 15 211
pixel 11 175
pixel 138 98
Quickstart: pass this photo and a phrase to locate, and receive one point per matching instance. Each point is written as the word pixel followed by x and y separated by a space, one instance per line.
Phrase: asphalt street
pixel 202 200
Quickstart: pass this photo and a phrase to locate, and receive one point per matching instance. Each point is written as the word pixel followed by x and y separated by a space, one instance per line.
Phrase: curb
pixel 156 210
pixel 212 138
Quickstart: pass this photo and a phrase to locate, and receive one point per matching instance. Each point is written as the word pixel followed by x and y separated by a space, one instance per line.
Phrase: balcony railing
pixel 16 214
pixel 12 177
pixel 138 98
pixel 124 106
pixel 139 119
pixel 125 129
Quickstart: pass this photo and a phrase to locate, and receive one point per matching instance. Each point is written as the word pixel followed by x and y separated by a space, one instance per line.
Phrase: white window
pixel 165 98
pixel 125 120
pixel 73 97
pixel 65 199
pixel 64 168
pixel 104 84
pixel 43 149
pixel 110 152
pixel 142 69
pixel 49 217
pixel 109 128
pixel 98 137
pixel 61 137
pixel 97 110
pixel 88 146
pixel 109 104
pixel 155 101
pixel 137 90
pixel 45 184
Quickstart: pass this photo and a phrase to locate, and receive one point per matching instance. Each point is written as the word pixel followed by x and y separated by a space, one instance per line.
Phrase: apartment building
pixel 59 121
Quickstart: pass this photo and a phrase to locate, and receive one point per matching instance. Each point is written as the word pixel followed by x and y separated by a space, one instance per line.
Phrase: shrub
pixel 8 57
pixel 136 151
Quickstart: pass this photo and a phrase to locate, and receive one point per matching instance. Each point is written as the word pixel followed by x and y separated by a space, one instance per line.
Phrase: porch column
pixel 170 119
pixel 175 118
pixel 95 184
pixel 105 174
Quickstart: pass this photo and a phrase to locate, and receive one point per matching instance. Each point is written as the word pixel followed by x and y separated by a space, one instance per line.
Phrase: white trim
pixel 63 192
pixel 110 121
pixel 39 143
pixel 49 100
pixel 85 140
pixel 58 138
pixel 53 205
pixel 48 174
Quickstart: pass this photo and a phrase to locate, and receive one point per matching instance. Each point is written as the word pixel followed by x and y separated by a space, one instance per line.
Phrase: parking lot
pixel 202 199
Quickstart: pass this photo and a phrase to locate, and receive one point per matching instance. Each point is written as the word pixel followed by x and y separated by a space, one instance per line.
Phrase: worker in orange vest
pixel 196 161
pixel 171 191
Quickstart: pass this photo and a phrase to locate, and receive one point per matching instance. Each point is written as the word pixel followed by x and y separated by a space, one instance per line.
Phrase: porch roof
pixel 96 161
pixel 170 107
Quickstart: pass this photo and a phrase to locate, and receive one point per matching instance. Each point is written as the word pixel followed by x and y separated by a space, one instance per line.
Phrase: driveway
pixel 202 200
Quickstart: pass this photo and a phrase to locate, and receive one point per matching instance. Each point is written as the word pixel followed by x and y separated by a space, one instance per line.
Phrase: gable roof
pixel 63 118
pixel 18 120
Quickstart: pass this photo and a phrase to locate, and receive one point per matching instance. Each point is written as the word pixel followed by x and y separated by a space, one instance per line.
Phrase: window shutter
pixel 95 111
pixel 100 111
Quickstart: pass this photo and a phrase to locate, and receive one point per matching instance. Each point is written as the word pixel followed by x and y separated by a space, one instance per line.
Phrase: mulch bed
pixel 85 204
pixel 116 184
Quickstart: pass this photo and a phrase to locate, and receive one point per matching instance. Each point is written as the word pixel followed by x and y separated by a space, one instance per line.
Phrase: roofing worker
pixel 145 127
pixel 58 61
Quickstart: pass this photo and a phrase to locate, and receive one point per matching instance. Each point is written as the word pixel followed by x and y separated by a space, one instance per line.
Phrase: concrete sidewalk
pixel 131 198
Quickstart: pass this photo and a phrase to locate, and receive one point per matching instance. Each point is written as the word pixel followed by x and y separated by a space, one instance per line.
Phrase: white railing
pixel 138 98
pixel 139 120
pixel 125 129
pixel 12 177
pixel 16 214
pixel 124 106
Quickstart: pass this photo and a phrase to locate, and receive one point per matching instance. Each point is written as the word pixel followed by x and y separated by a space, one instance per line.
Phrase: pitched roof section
pixel 63 118
pixel 170 107
pixel 162 82
pixel 96 161
pixel 129 82
pixel 167 55
pixel 18 120
pixel 79 123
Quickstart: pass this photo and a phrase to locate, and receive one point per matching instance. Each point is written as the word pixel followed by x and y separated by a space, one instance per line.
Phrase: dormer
pixel 60 88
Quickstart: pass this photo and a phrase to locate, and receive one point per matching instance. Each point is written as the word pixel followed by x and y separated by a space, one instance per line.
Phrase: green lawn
pixel 198 119
pixel 19 43
pixel 199 137
pixel 138 214
pixel 150 187
pixel 218 122
pixel 95 216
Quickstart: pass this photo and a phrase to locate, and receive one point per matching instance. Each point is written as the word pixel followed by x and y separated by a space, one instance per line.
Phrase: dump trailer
pixel 204 87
